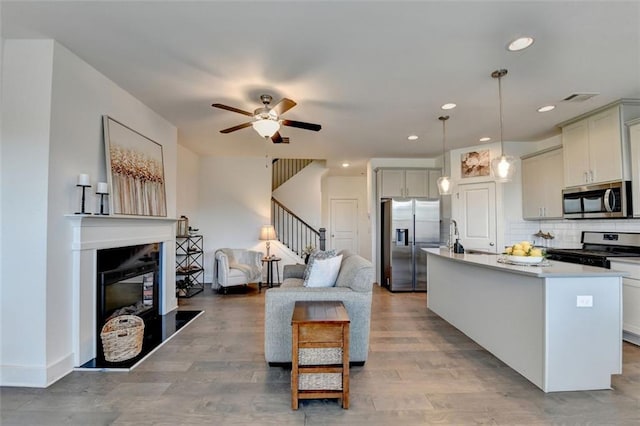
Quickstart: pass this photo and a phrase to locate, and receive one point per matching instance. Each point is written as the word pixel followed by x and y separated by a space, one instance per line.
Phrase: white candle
pixel 84 180
pixel 102 188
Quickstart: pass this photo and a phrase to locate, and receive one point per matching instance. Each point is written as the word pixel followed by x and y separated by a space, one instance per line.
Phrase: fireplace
pixel 92 235
pixel 127 284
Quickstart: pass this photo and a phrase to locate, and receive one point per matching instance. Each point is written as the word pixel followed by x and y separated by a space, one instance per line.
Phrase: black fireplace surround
pixel 128 284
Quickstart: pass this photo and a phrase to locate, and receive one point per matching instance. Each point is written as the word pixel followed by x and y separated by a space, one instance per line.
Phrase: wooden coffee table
pixel 320 352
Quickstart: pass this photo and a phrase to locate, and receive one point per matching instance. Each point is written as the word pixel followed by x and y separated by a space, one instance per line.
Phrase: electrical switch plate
pixel 584 301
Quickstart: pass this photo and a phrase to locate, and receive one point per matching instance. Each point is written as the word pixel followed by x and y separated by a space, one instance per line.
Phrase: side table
pixel 320 352
pixel 270 261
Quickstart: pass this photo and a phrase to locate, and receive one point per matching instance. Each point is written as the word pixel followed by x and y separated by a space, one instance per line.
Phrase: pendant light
pixel 503 167
pixel 444 182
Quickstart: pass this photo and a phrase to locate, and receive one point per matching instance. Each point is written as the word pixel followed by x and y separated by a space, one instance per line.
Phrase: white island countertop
pixel 560 325
pixel 555 268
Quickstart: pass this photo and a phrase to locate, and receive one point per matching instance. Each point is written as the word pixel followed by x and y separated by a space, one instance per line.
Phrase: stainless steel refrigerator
pixel 407 226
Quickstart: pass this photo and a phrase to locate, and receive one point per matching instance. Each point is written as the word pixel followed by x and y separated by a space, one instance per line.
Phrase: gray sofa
pixel 353 287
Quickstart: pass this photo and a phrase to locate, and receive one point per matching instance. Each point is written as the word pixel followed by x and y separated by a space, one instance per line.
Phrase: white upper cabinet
pixel 596 147
pixel 542 182
pixel 416 183
pixel 409 183
pixel 634 136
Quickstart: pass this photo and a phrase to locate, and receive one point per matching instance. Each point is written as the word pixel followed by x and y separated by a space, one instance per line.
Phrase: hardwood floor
pixel 420 371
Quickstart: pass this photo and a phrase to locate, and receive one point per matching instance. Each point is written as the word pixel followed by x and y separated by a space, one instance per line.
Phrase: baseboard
pixel 35 376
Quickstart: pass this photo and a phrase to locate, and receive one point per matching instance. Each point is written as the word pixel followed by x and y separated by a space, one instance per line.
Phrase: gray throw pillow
pixel 316 255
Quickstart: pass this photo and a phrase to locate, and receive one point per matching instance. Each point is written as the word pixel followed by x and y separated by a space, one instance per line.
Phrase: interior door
pixel 477 215
pixel 344 224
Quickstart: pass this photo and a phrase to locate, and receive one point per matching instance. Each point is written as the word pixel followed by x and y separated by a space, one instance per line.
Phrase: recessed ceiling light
pixel 412 137
pixel 546 108
pixel 345 164
pixel 485 139
pixel 448 106
pixel 520 43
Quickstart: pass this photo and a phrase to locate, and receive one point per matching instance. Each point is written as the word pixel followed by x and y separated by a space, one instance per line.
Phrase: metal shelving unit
pixel 189 265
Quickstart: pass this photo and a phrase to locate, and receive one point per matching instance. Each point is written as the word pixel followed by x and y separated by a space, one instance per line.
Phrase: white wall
pixel 26 86
pixel 55 102
pixel 349 187
pixel 302 194
pixel 235 198
pixel 188 185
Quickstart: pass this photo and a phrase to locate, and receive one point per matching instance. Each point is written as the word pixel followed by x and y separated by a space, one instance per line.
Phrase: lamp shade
pixel 503 168
pixel 266 127
pixel 267 232
pixel 444 185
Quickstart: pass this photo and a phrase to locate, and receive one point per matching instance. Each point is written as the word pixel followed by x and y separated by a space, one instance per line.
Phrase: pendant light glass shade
pixel 504 166
pixel 444 182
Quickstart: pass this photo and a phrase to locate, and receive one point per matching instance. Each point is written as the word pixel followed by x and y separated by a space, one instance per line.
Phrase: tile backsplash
pixel 566 232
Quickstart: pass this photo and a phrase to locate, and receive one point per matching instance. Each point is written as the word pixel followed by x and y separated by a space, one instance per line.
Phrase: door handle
pixel 491 244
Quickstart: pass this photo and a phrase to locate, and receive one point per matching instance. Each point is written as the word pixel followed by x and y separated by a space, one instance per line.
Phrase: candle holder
pixel 102 194
pixel 82 211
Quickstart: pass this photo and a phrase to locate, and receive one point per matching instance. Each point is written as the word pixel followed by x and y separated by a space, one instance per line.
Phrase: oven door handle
pixel 609 196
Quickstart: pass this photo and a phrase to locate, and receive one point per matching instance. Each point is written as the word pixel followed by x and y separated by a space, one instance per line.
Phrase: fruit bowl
pixel 530 260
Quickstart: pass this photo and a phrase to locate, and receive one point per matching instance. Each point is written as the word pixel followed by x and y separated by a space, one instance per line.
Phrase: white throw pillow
pixel 318 254
pixel 324 272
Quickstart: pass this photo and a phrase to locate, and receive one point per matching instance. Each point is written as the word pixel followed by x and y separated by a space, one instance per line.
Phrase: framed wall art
pixel 135 171
pixel 475 163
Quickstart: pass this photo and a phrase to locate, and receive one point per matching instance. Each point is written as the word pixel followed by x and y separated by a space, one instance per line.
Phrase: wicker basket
pixel 320 381
pixel 122 338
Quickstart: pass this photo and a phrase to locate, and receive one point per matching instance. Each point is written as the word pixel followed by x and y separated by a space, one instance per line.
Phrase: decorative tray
pixel 516 260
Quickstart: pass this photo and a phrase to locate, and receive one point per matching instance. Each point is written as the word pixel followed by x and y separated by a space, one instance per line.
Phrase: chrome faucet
pixel 453 233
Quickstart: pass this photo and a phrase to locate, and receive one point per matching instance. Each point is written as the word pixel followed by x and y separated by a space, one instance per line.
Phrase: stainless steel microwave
pixel 608 200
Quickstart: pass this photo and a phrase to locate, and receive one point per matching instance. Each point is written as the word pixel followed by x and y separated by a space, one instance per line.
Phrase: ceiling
pixel 371 73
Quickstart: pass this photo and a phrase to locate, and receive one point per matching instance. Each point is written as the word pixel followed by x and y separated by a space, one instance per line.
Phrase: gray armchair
pixel 237 267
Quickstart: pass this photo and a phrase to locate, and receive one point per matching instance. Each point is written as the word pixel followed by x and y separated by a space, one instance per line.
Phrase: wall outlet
pixel 584 301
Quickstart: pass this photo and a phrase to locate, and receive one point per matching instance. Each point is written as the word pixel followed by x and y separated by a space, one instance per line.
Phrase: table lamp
pixel 268 233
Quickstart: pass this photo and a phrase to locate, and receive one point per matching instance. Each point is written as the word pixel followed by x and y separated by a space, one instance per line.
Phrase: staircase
pixel 283 169
pixel 292 231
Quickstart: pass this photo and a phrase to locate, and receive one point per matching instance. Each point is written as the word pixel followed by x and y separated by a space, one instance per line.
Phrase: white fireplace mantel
pixel 91 233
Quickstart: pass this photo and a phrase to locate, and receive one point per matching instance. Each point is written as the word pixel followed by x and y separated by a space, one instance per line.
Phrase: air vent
pixel 580 97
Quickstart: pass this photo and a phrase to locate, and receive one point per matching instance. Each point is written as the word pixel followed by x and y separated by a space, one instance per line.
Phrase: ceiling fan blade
pixel 276 138
pixel 302 125
pixel 283 106
pixel 238 127
pixel 232 109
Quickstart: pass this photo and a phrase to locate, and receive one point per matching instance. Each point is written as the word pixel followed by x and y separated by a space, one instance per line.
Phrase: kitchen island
pixel 560 325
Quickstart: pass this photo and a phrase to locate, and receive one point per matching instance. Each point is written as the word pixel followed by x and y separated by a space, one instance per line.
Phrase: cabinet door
pixel 416 183
pixel 392 183
pixel 605 150
pixel 575 143
pixel 551 173
pixel 532 187
pixel 634 134
pixel 433 183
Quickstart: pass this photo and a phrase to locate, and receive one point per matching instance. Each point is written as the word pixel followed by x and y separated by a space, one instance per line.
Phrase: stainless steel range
pixel 598 248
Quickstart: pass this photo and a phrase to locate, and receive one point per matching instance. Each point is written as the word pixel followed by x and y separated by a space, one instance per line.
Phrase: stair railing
pixel 294 232
pixel 282 169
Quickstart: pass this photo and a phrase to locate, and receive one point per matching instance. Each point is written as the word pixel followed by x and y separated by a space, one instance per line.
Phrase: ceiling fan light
pixel 503 168
pixel 444 185
pixel 266 127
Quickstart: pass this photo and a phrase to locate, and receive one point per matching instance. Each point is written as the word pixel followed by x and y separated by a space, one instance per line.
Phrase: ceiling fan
pixel 267 119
